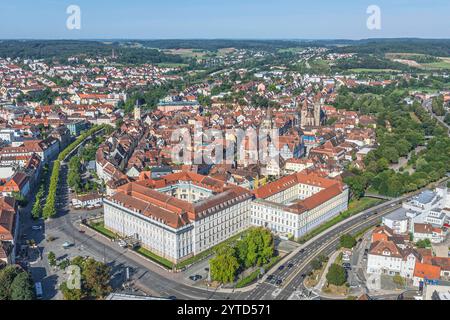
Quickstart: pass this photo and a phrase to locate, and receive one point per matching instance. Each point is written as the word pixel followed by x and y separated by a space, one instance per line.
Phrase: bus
pixel 38 288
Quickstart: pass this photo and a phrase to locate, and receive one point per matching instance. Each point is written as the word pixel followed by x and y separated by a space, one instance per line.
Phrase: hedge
pixel 50 208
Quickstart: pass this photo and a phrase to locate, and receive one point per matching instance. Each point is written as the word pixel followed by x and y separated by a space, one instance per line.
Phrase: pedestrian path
pixel 318 287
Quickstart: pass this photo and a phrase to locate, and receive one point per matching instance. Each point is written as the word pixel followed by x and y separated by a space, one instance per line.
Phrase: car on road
pixel 67 245
pixel 302 250
pixel 122 244
pixel 269 278
pixel 281 267
pixel 303 276
pixel 279 282
pixel 195 277
pixel 290 265
pixel 347 265
pixel 81 231
pixel 36 227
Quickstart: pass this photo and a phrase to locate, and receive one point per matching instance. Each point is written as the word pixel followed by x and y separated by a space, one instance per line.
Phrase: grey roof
pixel 426 196
pixel 399 214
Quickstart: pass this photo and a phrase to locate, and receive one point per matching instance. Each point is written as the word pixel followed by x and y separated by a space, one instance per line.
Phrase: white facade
pixel 170 243
pixel 211 226
pixel 391 265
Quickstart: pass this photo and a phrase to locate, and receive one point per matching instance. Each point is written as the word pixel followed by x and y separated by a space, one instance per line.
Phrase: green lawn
pixel 248 279
pixel 206 253
pixel 254 275
pixel 150 255
pixel 354 207
pixel 100 228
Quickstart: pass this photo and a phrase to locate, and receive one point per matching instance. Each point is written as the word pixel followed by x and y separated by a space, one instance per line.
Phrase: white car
pixel 36 227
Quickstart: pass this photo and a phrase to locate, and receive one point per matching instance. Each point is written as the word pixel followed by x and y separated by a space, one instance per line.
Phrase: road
pixel 326 244
pixel 427 103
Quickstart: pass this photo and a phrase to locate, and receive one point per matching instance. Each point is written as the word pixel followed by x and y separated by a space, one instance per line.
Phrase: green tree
pixel 399 281
pixel 7 276
pixel 357 185
pixel 259 246
pixel 70 294
pixel 52 259
pixel 316 264
pixel 347 241
pixel 96 276
pixel 224 265
pixel 336 275
pixel 424 243
pixel 22 287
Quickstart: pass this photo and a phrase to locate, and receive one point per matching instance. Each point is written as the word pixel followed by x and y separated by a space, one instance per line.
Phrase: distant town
pixel 114 182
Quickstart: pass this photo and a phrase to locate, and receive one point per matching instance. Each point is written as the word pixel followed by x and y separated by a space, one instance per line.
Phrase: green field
pixel 436 65
pixel 172 65
pixel 365 70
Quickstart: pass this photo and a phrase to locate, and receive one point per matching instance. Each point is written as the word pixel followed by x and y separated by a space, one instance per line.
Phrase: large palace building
pixel 295 204
pixel 185 213
pixel 180 215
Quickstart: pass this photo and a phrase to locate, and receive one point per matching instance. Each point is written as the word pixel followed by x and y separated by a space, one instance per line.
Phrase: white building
pixel 385 257
pixel 180 215
pixel 398 221
pixel 295 204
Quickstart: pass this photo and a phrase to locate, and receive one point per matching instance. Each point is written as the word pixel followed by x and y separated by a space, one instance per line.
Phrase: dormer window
pixel 386 253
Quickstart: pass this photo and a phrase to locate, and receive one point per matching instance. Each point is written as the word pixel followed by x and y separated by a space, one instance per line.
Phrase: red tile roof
pixel 427 271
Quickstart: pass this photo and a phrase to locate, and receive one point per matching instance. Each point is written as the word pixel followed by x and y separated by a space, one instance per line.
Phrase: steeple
pixel 137 111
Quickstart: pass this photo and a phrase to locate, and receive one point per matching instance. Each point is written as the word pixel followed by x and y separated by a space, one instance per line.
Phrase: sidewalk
pixel 323 278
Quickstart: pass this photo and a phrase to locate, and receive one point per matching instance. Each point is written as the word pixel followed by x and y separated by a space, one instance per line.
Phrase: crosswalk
pixel 302 295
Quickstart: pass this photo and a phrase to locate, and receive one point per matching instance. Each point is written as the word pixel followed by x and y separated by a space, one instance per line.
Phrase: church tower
pixel 310 113
pixel 137 112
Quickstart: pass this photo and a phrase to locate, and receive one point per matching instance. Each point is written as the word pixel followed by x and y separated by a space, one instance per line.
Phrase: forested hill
pixel 432 47
pixel 62 49
pixel 146 51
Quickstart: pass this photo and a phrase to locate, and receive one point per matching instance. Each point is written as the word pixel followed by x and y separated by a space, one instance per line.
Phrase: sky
pixel 230 19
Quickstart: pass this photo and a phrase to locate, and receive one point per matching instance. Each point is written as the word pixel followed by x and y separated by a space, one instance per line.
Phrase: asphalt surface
pixel 326 244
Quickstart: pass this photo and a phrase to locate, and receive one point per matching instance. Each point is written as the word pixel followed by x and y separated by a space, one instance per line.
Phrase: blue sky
pixel 258 19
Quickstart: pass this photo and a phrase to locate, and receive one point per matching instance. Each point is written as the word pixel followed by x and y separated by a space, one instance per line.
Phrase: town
pixel 334 183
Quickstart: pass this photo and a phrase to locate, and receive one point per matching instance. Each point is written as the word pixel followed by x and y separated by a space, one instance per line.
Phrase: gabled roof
pixel 427 271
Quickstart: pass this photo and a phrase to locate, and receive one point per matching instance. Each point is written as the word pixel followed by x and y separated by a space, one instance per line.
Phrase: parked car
pixel 36 227
pixel 347 266
pixel 195 277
